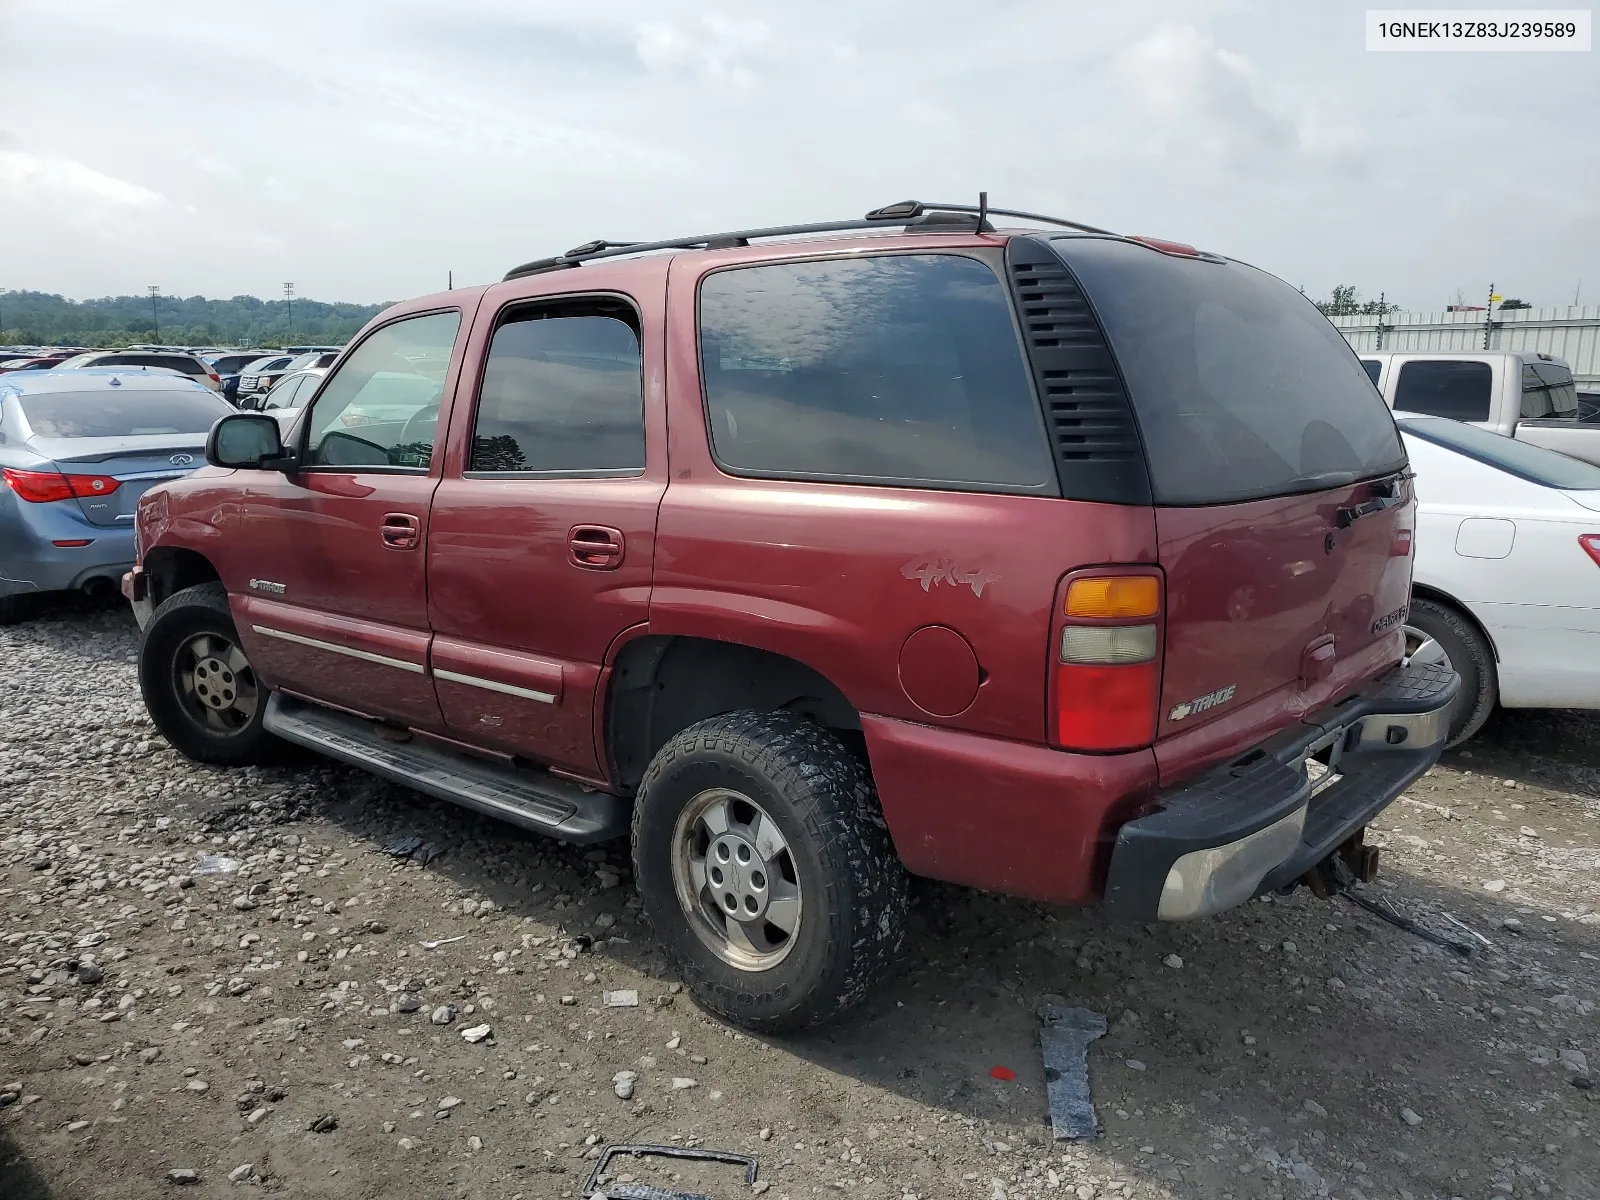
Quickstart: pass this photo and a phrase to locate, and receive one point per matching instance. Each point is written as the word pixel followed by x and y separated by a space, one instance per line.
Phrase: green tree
pixel 1512 303
pixel 1346 302
pixel 42 318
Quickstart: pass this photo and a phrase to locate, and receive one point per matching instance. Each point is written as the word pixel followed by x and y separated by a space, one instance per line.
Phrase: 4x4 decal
pixel 944 569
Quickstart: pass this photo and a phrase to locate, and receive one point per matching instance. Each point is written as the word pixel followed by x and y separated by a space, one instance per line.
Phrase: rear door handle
pixel 597 547
pixel 400 531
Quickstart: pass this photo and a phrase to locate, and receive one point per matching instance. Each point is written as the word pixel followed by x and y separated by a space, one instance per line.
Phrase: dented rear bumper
pixel 1264 818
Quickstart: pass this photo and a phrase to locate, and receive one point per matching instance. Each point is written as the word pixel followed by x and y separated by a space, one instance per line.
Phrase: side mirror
pixel 248 441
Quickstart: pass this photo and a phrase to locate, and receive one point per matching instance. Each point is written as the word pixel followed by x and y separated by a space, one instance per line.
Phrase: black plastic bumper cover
pixel 1376 740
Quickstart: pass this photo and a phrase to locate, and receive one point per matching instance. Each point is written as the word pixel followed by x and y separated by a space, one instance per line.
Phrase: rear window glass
pixel 902 369
pixel 1445 388
pixel 1548 390
pixel 77 415
pixel 1241 387
pixel 1533 463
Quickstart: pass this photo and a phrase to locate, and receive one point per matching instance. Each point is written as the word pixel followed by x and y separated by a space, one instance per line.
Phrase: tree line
pixel 45 319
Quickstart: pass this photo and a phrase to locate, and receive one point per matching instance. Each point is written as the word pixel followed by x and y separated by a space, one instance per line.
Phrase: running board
pixel 532 799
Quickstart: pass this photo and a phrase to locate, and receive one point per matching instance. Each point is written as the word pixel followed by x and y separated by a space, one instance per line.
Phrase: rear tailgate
pixel 1283 508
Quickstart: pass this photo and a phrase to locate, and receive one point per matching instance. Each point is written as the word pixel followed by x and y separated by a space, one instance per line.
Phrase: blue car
pixel 77 450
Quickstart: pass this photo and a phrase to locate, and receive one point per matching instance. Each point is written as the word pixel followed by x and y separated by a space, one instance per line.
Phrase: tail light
pixel 214 377
pixel 1105 685
pixel 44 487
pixel 1591 545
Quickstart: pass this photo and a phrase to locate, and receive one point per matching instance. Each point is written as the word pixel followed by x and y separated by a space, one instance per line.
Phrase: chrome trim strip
pixel 490 685
pixel 348 651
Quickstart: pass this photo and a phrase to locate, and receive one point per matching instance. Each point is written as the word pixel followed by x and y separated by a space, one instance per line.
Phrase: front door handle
pixel 597 547
pixel 400 531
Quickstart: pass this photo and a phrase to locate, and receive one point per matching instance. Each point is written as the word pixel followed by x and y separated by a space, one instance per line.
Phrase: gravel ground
pixel 290 1025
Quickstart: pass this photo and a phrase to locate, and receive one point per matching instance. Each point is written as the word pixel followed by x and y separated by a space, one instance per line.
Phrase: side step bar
pixel 534 800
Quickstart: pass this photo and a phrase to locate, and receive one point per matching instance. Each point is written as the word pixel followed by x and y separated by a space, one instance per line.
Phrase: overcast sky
pixel 363 148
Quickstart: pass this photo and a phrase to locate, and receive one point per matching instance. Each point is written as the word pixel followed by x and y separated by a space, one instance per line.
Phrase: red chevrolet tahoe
pixel 1038 559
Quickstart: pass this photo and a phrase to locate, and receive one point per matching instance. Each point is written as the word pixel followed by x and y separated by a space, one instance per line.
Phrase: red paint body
pixel 867 585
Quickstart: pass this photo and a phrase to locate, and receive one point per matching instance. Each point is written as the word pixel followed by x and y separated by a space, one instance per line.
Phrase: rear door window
pixel 1457 389
pixel 562 393
pixel 1548 388
pixel 897 369
pixel 1242 389
pixel 1373 368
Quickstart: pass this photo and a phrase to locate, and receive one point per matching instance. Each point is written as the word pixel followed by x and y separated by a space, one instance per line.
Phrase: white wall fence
pixel 1571 333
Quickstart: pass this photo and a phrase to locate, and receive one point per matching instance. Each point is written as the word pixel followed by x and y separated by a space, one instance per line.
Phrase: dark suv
pixel 1043 560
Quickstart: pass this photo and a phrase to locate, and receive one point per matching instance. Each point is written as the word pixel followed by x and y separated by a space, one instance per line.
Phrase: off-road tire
pixel 1470 655
pixel 199 609
pixel 852 882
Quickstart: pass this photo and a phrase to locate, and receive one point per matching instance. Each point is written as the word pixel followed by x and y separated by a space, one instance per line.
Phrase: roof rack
pixel 914 214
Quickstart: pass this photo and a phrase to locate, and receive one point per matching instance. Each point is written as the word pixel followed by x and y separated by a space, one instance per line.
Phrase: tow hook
pixel 1358 858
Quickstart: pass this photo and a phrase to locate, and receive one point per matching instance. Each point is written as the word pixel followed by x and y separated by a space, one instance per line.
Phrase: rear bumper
pixel 1259 822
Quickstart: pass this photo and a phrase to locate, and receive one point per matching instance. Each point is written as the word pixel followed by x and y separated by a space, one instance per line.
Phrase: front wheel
pixel 766 869
pixel 198 685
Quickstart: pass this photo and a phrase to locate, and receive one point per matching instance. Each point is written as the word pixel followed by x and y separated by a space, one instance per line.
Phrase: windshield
pixel 1533 463
pixel 82 415
pixel 1242 389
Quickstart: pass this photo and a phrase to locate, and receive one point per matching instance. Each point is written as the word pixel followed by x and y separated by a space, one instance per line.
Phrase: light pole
pixel 155 319
pixel 288 296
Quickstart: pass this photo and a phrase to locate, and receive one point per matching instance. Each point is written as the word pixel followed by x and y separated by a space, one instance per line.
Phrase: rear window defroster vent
pixel 1092 431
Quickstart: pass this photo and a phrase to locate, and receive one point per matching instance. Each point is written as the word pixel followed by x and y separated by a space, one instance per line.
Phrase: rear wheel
pixel 198 685
pixel 766 869
pixel 1438 633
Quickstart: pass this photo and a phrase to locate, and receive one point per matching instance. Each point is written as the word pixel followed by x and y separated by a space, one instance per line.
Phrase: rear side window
pixel 1373 368
pixel 1241 387
pixel 134 414
pixel 1533 463
pixel 562 394
pixel 1444 388
pixel 1548 390
pixel 900 369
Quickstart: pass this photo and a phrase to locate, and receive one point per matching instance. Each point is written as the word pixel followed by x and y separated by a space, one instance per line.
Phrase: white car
pixel 1507 572
pixel 180 362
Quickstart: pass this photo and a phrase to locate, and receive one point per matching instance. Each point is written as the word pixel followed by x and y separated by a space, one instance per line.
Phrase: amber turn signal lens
pixel 1114 597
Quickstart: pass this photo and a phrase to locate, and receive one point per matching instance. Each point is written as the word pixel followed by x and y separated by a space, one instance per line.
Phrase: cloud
pixel 720 50
pixel 28 176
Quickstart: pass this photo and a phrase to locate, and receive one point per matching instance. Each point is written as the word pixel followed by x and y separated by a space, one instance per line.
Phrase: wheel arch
pixel 170 569
pixel 1421 591
pixel 660 685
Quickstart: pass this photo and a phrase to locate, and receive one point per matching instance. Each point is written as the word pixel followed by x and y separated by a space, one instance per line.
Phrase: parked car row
pixel 242 376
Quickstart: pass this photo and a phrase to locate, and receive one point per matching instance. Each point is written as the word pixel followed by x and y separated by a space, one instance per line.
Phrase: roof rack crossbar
pixel 876 219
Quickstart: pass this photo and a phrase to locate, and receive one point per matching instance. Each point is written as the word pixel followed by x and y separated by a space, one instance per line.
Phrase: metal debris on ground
pixel 1064 1039
pixel 1382 908
pixel 622 998
pixel 215 864
pixel 635 1191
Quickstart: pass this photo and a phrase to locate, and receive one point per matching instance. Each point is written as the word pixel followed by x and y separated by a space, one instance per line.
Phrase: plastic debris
pixel 215 864
pixel 1064 1040
pixel 1002 1073
pixel 437 942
